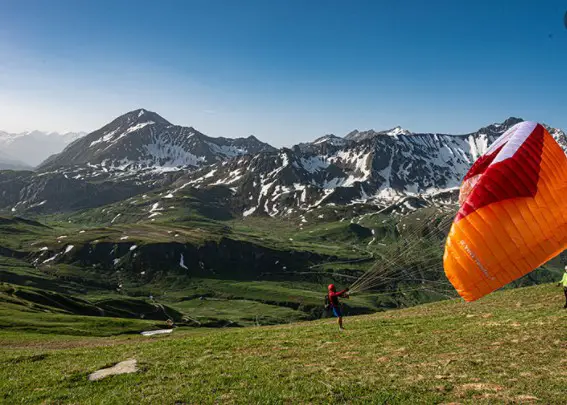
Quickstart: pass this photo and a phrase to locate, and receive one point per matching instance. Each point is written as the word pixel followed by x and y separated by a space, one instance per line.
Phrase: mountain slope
pixel 25 191
pixel 559 135
pixel 142 140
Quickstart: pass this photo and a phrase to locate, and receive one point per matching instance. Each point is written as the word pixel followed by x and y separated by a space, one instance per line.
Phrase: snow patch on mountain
pixel 182 262
pixel 331 140
pixel 314 164
pixel 228 151
pixel 164 153
pixel 397 131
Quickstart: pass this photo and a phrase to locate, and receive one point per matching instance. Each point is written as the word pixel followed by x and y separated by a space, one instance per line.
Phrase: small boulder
pixel 124 367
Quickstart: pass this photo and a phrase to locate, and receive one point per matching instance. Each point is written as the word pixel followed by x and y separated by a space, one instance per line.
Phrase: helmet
pixel 331 287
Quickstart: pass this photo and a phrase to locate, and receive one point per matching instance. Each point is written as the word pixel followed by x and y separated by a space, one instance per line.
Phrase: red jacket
pixel 334 297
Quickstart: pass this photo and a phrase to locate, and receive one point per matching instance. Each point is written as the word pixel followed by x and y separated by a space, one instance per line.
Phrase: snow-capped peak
pixel 143 140
pixel 330 139
pixel 397 131
pixel 359 136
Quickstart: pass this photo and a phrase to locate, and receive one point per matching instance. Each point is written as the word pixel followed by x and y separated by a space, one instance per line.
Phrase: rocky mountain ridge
pixel 367 168
pixel 141 151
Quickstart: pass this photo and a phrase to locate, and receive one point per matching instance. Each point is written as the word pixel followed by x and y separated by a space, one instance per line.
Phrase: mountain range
pixel 141 151
pixel 364 167
pixel 32 148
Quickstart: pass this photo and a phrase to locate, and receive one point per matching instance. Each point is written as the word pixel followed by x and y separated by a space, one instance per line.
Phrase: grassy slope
pixel 245 302
pixel 321 236
pixel 87 283
pixel 507 347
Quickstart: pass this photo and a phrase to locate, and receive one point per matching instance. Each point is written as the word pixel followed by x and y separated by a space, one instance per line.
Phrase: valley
pixel 148 222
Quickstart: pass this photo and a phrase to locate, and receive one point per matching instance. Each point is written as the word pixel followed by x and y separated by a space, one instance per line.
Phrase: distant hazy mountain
pixel 34 147
pixel 9 163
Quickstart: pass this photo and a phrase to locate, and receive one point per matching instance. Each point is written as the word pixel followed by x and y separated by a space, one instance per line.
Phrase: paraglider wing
pixel 513 212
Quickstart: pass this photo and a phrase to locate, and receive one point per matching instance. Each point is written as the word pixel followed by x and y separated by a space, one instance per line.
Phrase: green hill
pixel 509 347
pixel 117 261
pixel 253 271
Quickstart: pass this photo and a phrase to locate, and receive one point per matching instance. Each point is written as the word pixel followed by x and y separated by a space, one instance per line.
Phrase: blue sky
pixel 285 71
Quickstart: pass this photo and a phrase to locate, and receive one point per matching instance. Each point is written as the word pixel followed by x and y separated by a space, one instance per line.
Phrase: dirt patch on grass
pixel 68 344
pixel 481 390
pixel 526 398
pixel 480 387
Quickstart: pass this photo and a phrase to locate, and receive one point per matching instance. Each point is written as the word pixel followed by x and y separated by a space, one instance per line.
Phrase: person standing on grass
pixel 564 283
pixel 334 303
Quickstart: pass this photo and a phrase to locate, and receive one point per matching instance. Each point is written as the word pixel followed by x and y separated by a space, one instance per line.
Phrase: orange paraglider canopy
pixel 513 212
